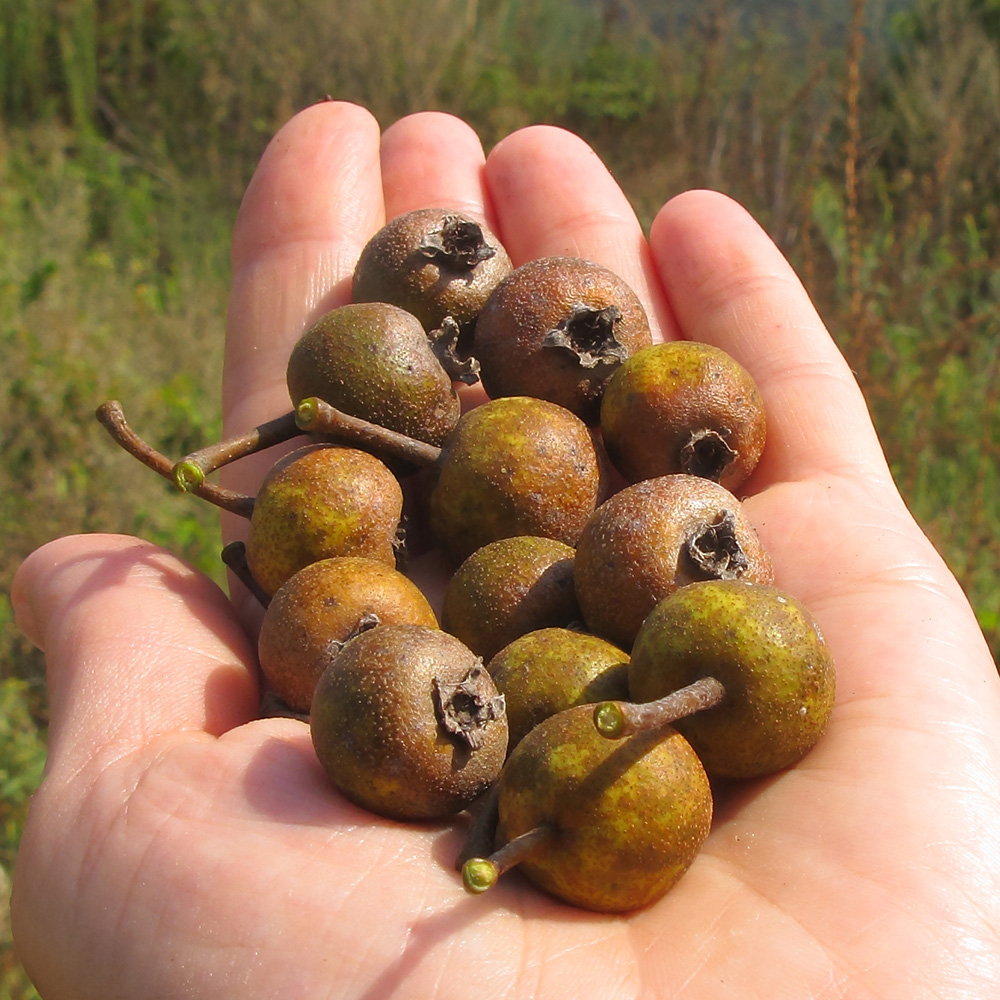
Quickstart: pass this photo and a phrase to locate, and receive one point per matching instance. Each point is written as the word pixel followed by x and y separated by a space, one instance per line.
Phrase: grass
pixel 84 318
pixel 130 131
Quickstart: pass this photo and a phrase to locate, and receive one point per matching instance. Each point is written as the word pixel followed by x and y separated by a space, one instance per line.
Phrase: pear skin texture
pixel 377 734
pixel 766 650
pixel 319 502
pixel 319 608
pixel 374 361
pixel 663 394
pixel 509 587
pixel 514 466
pixel 392 268
pixel 628 816
pixel 552 669
pixel 533 300
pixel 631 554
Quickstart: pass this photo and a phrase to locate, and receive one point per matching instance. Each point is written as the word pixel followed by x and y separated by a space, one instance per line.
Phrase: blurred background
pixel 865 136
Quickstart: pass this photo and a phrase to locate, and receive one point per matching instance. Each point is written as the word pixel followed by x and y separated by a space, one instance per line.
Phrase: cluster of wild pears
pixel 600 652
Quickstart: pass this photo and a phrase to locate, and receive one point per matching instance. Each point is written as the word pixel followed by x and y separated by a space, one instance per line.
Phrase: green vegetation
pixel 129 130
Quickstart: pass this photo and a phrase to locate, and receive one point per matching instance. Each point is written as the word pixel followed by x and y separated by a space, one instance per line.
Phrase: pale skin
pixel 180 846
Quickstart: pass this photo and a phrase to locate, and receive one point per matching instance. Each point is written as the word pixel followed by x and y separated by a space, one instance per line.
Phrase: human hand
pixel 181 846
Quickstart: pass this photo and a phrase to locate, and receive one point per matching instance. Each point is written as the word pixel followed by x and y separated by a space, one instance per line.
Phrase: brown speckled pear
pixel 653 537
pixel 557 328
pixel 433 262
pixel 407 723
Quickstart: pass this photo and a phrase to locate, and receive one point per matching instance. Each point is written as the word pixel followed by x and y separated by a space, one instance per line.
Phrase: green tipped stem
pixel 618 719
pixel 190 472
pixel 318 417
pixel 234 555
pixel 188 476
pixel 480 874
pixel 112 418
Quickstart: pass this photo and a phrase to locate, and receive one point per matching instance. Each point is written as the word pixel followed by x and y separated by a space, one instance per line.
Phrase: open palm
pixel 182 847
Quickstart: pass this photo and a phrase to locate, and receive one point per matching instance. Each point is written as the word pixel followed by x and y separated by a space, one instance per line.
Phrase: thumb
pixel 137 644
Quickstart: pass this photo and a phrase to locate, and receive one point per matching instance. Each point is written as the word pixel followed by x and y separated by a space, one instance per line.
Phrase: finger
pixel 313 202
pixel 554 196
pixel 433 160
pixel 137 644
pixel 730 286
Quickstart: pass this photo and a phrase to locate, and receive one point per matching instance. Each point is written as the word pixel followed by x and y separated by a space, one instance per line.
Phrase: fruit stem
pixel 191 470
pixel 618 719
pixel 234 555
pixel 112 418
pixel 482 830
pixel 316 416
pixel 480 874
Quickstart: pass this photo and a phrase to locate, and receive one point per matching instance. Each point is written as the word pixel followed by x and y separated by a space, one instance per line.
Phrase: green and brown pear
pixel 318 502
pixel 683 407
pixel 321 607
pixel 551 669
pixel 514 466
pixel 373 360
pixel 766 650
pixel 607 825
pixel 508 587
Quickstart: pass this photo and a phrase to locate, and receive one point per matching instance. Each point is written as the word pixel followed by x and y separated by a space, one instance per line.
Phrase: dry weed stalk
pixel 855 47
